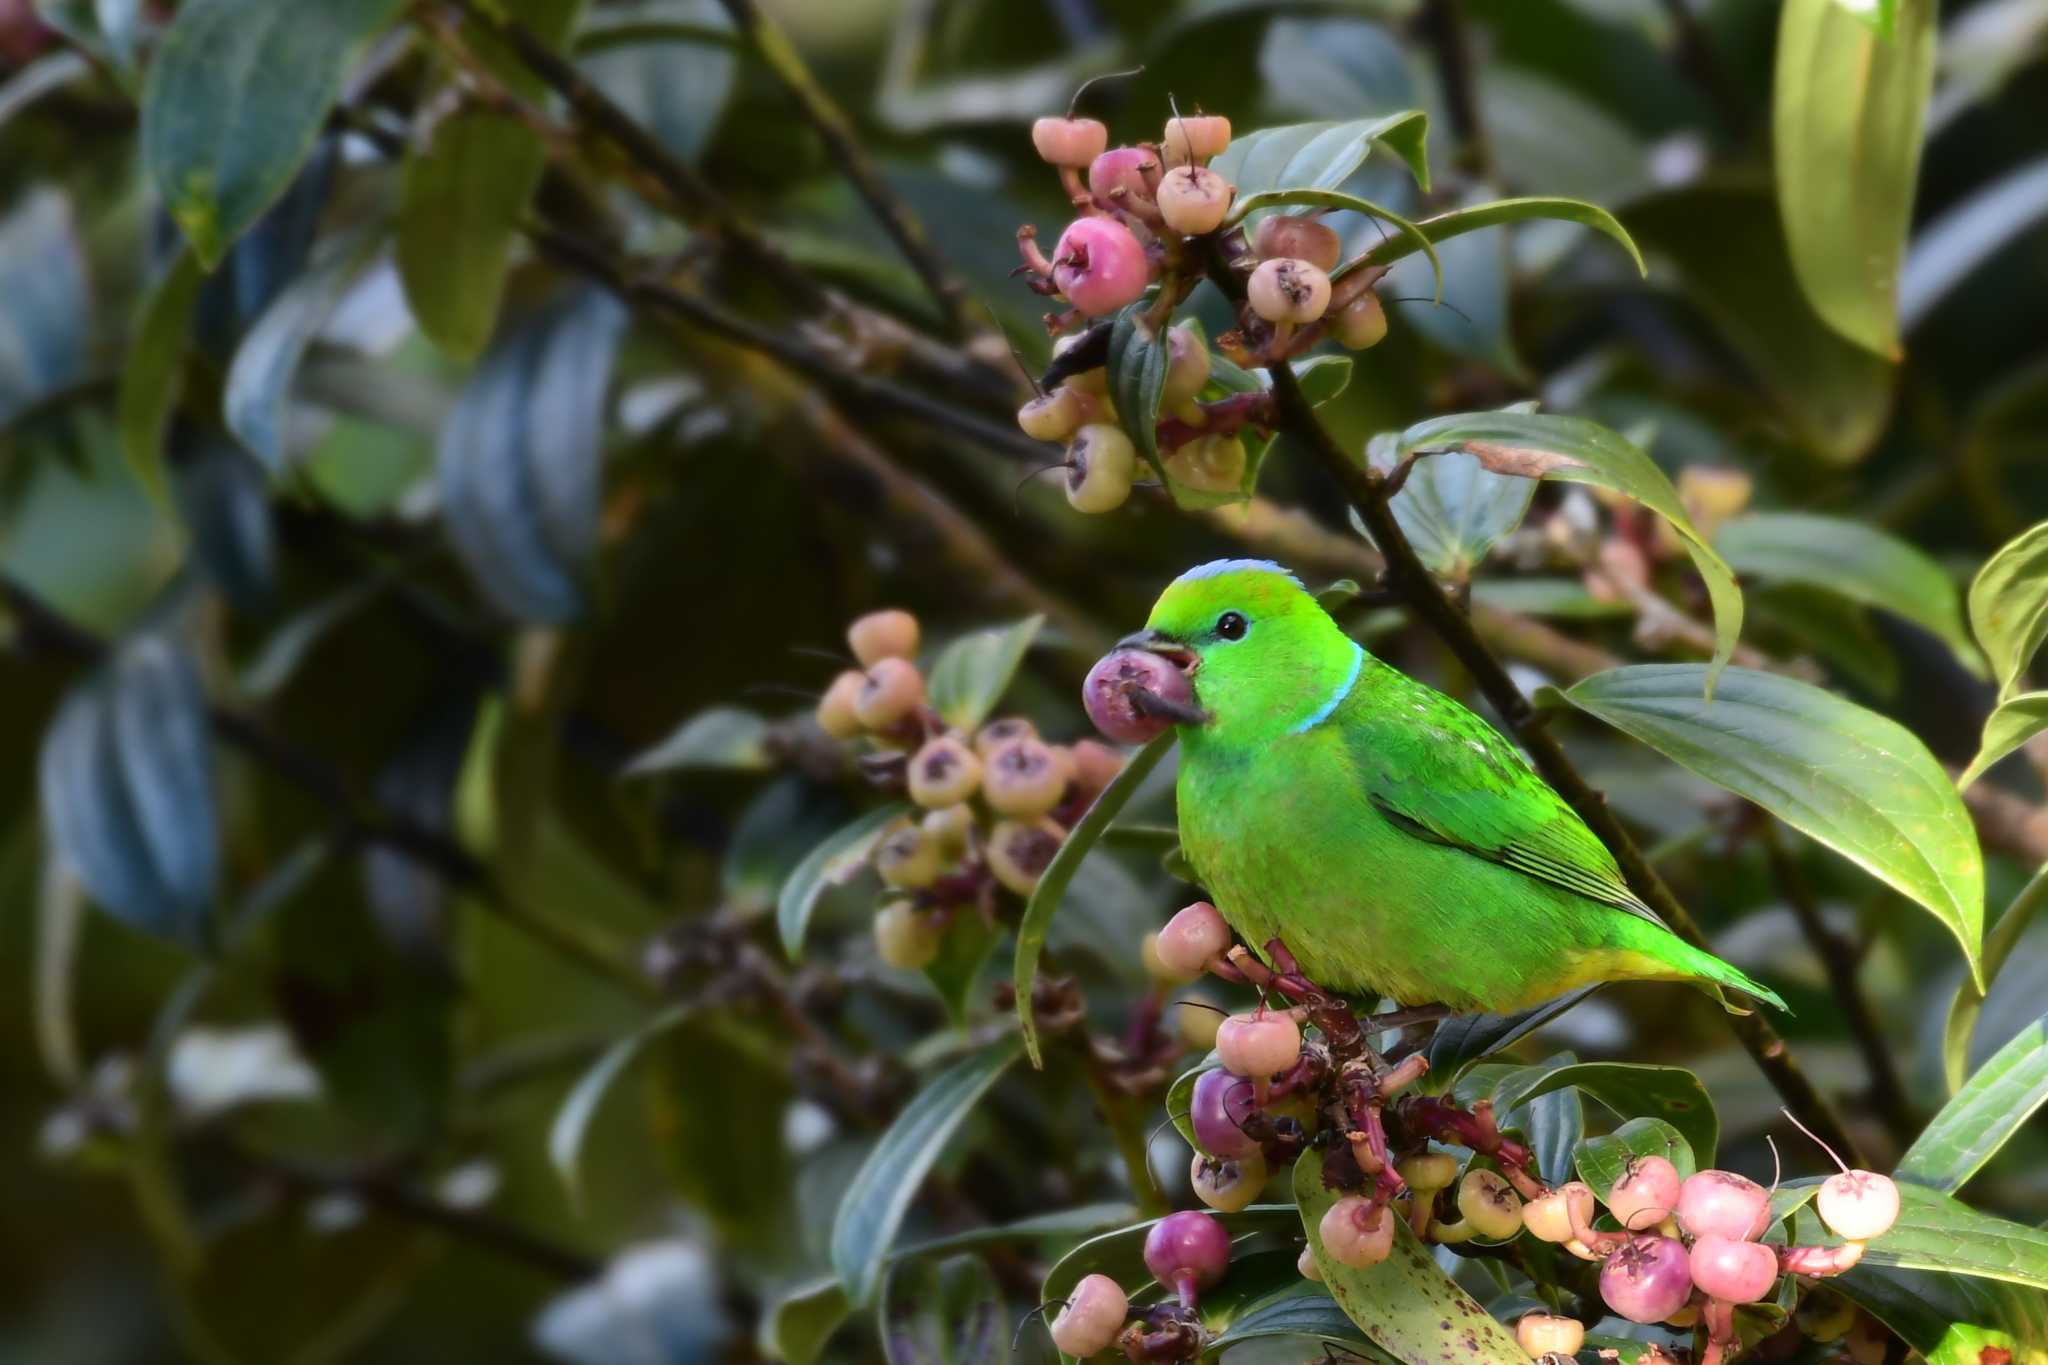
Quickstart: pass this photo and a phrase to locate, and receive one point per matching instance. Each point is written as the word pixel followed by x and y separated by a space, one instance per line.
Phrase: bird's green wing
pixel 1441 773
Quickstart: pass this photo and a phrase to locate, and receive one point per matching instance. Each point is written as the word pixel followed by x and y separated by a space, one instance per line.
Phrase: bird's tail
pixel 1703 969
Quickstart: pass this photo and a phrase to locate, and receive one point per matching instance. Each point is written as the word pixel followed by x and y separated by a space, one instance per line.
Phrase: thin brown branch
pixel 1442 24
pixel 843 141
pixel 1408 576
pixel 1839 957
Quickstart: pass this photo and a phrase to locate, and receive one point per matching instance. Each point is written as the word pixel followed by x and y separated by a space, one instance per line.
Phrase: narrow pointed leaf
pixel 1993 1105
pixel 256 403
pixel 831 863
pixel 971 674
pixel 1442 227
pixel 2017 720
pixel 1964 1010
pixel 718 737
pixel 2009 606
pixel 1937 1232
pixel 1968 235
pixel 1321 156
pixel 1052 885
pixel 1631 1090
pixel 149 379
pixel 572 1120
pixel 871 1211
pixel 1858 782
pixel 1406 231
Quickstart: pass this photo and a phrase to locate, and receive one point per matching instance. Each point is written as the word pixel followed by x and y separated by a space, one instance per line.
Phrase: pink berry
pixel 1648 1279
pixel 1194 199
pixel 1357 1233
pixel 1099 266
pixel 1739 1272
pixel 1285 289
pixel 1646 1194
pixel 1194 137
pixel 1305 239
pixel 1543 1335
pixel 1023 779
pixel 1723 1204
pixel 1069 141
pixel 1187 1252
pixel 1133 170
pixel 1093 1316
pixel 1858 1205
pixel 1196 934
pixel 1228 1186
pixel 1217 1110
pixel 1107 693
pixel 893 690
pixel 880 635
pixel 1262 1043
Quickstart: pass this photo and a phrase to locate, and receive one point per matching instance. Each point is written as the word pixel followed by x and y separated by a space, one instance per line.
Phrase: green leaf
pixel 579 1107
pixel 2009 606
pixel 149 379
pixel 1968 235
pixel 872 1209
pixel 2015 721
pixel 728 737
pixel 1969 1002
pixel 1983 1116
pixel 1847 113
pixel 1409 232
pixel 1180 1098
pixel 964 949
pixel 1849 778
pixel 1937 1232
pixel 1730 251
pixel 1307 1312
pixel 1535 445
pixel 1856 561
pixel 831 863
pixel 1631 1090
pixel 256 402
pixel 460 199
pixel 800 1321
pixel 1601 1161
pixel 1052 884
pixel 970 675
pixel 1464 1039
pixel 235 96
pixel 1451 508
pixel 1401 1302
pixel 1321 156
pixel 1457 222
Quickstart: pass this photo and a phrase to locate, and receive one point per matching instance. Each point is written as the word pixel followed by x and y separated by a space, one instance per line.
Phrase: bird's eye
pixel 1232 626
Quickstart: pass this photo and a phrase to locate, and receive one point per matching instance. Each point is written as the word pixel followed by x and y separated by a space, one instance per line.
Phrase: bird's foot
pixel 1439 1117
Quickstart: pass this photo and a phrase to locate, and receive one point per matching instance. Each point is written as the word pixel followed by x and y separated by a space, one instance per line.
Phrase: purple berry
pixel 1107 693
pixel 1187 1252
pixel 1648 1279
pixel 1217 1111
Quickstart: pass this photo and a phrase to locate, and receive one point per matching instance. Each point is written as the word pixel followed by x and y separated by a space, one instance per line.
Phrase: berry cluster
pixel 1671 1250
pixel 1155 217
pixel 996 804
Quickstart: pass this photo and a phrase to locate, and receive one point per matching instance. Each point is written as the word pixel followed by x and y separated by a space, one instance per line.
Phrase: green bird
pixel 1390 838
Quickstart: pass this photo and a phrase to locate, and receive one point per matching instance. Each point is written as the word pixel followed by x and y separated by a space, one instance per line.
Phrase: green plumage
pixel 1394 841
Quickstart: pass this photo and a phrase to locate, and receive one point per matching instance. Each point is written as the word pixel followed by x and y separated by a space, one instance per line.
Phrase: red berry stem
pixel 1221 417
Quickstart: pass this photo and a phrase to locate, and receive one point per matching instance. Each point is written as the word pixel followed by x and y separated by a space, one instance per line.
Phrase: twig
pixel 1443 24
pixel 1426 599
pixel 1697 59
pixel 356 816
pixel 1838 956
pixel 844 143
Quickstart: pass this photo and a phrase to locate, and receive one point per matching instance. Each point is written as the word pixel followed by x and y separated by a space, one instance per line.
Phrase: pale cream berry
pixel 1194 137
pixel 1051 416
pixel 1001 731
pixel 1101 465
pixel 883 635
pixel 1093 1315
pixel 1196 1020
pixel 1287 289
pixel 1071 142
pixel 1209 464
pixel 836 715
pixel 1194 200
pixel 1228 1186
pixel 943 773
pixel 1490 1205
pixel 1095 765
pixel 1019 851
pixel 1356 1233
pixel 1428 1173
pixel 1360 324
pixel 1540 1334
pixel 892 690
pixel 905 937
pixel 1306 1264
pixel 949 828
pixel 1022 778
pixel 907 858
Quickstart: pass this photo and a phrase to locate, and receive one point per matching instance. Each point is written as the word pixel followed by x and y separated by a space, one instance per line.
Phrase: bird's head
pixel 1261 652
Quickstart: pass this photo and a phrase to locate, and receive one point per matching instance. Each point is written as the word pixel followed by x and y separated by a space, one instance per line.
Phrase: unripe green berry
pixel 1287 289
pixel 1101 463
pixel 905 937
pixel 836 715
pixel 944 772
pixel 1194 200
pixel 1361 323
pixel 883 635
pixel 1209 464
pixel 1490 1205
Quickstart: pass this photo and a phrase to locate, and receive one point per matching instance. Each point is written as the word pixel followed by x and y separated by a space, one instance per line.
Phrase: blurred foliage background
pixel 445 534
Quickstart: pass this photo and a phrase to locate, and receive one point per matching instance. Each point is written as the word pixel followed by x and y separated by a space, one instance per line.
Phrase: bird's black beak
pixel 1165 646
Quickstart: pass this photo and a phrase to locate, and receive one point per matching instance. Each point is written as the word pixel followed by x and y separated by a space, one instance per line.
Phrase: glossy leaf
pixel 258 395
pixel 1307 1312
pixel 1847 109
pixel 1631 1090
pixel 1535 445
pixel 864 1229
pixel 1451 508
pixel 1120 1253
pixel 1053 883
pixel 1402 1302
pixel 460 199
pixel 2009 606
pixel 971 674
pixel 220 150
pixel 1136 371
pixel 1968 1005
pixel 149 379
pixel 1993 1105
pixel 2015 721
pixel 579 1107
pixel 1949 1319
pixel 727 737
pixel 1320 156
pixel 1600 1161
pixel 1968 235
pixel 1851 779
pixel 127 786
pixel 831 863
pixel 1855 560
pixel 1442 227
pixel 521 459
